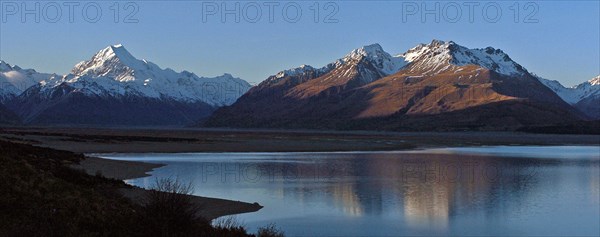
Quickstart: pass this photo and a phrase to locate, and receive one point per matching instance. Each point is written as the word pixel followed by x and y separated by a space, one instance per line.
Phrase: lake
pixel 502 190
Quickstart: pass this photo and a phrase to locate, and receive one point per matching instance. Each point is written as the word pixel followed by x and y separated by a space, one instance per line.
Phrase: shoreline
pixel 416 149
pixel 212 208
pixel 99 140
pixel 116 169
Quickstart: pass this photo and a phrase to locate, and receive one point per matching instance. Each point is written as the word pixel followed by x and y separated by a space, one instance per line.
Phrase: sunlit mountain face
pixel 436 86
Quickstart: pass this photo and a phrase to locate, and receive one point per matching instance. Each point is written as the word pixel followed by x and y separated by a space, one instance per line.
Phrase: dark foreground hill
pixel 41 196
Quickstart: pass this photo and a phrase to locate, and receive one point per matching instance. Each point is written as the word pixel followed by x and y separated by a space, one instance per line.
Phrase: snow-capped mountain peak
pixel 14 80
pixel 490 58
pixel 589 88
pixel 115 72
pixel 371 62
pixel 371 51
pixel 435 47
pixel 294 71
pixel 5 67
pixel 431 58
pixel 384 64
pixel 574 94
pixel 113 61
pixel 595 81
pixel 118 51
pixel 374 53
pixel 439 55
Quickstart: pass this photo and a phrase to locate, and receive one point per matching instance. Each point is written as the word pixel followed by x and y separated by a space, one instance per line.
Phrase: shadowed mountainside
pixel 7 117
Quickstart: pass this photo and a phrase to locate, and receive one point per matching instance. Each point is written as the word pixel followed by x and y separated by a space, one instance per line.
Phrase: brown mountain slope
pixel 417 94
pixel 355 73
pixel 440 89
pixel 305 93
pixel 473 98
pixel 458 88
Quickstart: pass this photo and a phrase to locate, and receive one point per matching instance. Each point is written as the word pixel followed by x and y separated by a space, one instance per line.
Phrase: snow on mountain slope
pixel 384 63
pixel 374 53
pixel 14 80
pixel 114 72
pixel 433 58
pixel 439 56
pixel 595 81
pixel 567 94
pixel 574 94
pixel 294 71
pixel 589 88
pixel 437 86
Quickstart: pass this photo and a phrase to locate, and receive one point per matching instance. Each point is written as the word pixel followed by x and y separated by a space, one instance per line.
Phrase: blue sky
pixel 564 43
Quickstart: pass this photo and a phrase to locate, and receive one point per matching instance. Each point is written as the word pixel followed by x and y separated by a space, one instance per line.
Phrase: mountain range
pixel 436 86
pixel 14 80
pixel 113 88
pixel 585 96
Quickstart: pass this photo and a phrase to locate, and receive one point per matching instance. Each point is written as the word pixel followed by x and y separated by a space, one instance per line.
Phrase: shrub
pixel 168 210
pixel 270 231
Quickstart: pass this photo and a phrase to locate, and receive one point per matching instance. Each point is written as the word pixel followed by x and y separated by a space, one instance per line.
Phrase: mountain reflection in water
pixel 398 193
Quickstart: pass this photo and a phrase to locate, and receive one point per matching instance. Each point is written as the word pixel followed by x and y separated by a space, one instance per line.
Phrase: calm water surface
pixel 455 191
